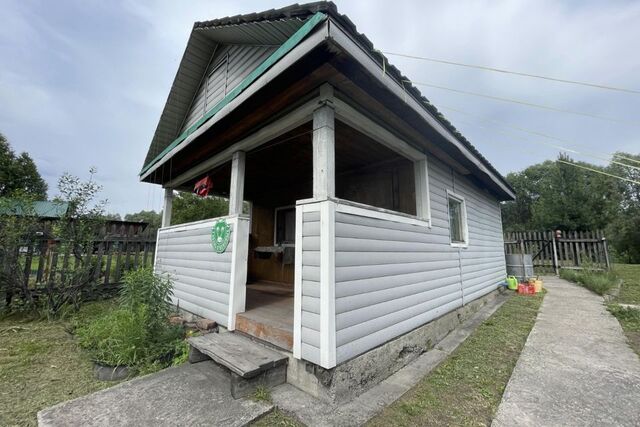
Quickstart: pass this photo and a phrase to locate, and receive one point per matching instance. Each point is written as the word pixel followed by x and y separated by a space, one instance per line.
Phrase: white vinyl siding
pixel 201 277
pixel 310 319
pixel 229 66
pixel 392 277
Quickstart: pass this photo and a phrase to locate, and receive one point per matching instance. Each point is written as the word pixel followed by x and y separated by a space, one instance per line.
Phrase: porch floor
pixel 268 313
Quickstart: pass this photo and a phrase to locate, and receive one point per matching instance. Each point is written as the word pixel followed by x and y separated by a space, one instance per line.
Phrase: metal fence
pixel 553 250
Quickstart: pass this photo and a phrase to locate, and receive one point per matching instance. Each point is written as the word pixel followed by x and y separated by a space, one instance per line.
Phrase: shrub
pixel 596 281
pixel 137 333
pixel 143 288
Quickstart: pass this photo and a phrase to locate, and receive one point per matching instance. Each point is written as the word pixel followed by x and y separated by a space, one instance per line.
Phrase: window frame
pixel 275 225
pixel 464 220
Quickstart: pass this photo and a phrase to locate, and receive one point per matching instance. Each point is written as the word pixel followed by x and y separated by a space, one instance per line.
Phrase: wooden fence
pixel 48 262
pixel 552 250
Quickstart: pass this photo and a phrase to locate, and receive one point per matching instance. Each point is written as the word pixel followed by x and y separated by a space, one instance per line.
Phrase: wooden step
pixel 249 363
pixel 273 332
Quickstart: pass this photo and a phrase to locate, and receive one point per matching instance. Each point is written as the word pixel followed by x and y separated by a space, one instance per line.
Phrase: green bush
pixel 597 281
pixel 143 288
pixel 137 333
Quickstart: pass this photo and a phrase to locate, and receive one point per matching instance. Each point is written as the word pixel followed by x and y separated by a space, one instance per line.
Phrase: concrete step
pixel 249 363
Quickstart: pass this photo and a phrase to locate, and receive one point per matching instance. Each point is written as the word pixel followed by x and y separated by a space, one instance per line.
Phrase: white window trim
pixel 465 223
pixel 422 190
pixel 275 226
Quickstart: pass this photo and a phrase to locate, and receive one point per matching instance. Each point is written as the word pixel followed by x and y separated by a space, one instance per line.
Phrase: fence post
pixel 606 253
pixel 555 253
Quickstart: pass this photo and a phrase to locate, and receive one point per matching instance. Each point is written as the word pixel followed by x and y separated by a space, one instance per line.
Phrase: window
pixel 457 220
pixel 285 226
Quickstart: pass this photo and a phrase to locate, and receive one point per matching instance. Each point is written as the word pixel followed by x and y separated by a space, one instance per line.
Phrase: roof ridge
pixel 288 12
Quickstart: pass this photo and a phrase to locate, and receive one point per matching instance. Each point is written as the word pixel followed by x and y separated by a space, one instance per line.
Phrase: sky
pixel 83 83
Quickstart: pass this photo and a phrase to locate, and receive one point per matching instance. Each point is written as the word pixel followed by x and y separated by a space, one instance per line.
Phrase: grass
pixel 41 364
pixel 261 394
pixel 595 281
pixel 630 290
pixel 629 318
pixel 466 388
pixel 276 418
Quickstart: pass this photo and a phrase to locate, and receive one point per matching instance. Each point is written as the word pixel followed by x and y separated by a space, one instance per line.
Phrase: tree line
pixel 553 195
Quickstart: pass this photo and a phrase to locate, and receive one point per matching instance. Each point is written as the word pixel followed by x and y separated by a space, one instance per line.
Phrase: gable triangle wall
pixel 228 67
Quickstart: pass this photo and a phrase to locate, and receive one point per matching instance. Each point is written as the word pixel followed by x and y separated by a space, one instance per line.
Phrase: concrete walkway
pixel 576 368
pixel 188 395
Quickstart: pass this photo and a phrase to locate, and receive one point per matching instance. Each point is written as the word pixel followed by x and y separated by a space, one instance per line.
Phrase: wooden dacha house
pixel 357 213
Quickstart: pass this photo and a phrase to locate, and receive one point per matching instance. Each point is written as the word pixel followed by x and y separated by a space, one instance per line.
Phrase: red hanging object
pixel 203 186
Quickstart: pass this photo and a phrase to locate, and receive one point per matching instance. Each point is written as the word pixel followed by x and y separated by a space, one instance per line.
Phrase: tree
pixel 152 217
pixel 188 207
pixel 553 195
pixel 624 230
pixel 112 217
pixel 77 230
pixel 19 174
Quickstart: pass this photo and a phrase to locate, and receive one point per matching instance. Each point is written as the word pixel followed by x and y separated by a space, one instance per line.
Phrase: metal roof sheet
pixel 40 208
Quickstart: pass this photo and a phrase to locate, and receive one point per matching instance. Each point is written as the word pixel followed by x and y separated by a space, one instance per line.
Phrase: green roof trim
pixel 272 59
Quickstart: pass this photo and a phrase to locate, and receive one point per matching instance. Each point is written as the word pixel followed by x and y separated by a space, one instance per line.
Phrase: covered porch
pixel 325 157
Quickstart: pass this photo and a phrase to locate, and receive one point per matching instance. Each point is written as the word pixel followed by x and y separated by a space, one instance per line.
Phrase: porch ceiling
pixel 280 172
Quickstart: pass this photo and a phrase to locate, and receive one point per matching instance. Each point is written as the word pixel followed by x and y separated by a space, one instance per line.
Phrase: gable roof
pixel 271 28
pixel 287 26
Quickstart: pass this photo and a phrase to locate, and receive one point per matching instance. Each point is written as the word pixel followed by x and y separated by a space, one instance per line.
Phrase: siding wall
pixel 483 262
pixel 201 277
pixel 310 319
pixel 391 277
pixel 230 65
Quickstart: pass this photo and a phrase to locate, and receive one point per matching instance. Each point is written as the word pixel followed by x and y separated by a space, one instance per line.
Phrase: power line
pixel 625 158
pixel 584 167
pixel 610 157
pixel 517 73
pixel 599 171
pixel 516 101
pixel 519 128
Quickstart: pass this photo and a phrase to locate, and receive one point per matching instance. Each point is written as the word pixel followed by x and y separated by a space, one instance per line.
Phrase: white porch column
pixel 236 191
pixel 421 173
pixel 324 185
pixel 166 209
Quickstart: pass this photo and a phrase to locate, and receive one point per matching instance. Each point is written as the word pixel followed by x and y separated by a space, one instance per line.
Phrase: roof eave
pixel 309 37
pixel 344 41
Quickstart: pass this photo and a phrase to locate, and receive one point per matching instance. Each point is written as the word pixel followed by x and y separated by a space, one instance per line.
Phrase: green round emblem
pixel 220 234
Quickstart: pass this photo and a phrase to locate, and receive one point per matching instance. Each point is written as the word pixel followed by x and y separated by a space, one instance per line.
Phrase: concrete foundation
pixel 352 378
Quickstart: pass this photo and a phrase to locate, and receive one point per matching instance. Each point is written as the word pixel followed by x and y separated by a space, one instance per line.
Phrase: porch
pixel 323 157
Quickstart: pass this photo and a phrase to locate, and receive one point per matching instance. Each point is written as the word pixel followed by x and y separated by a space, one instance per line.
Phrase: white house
pixel 371 215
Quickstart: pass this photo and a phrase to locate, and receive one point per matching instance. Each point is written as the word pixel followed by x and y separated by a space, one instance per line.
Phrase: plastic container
pixel 526 289
pixel 538 285
pixel 512 283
